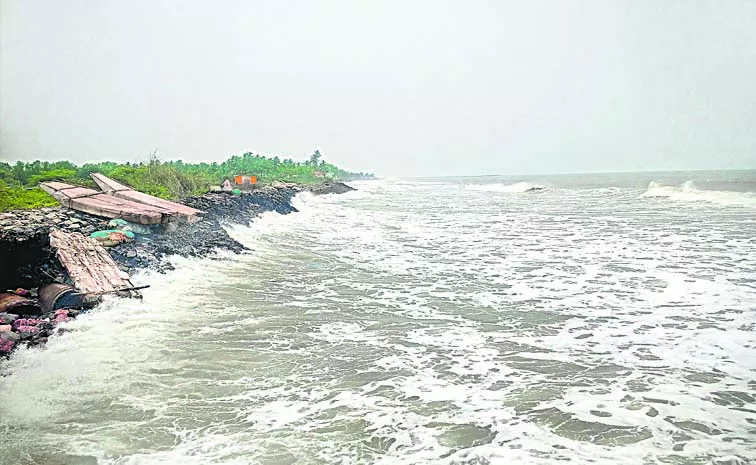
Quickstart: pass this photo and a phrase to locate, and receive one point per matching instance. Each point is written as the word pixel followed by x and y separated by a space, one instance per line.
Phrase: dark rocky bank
pixel 27 262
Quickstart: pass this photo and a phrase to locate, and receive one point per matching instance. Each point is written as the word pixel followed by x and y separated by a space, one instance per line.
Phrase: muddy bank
pixel 26 260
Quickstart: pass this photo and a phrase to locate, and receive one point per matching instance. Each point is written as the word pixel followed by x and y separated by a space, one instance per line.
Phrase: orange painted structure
pixel 241 180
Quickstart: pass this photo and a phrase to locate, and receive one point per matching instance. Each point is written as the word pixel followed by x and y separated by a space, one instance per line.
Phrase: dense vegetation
pixel 165 179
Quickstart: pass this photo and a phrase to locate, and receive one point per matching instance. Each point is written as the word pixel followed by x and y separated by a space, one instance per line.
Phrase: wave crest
pixel 517 187
pixel 688 192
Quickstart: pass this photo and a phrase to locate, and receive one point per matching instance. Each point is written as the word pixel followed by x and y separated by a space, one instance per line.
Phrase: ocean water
pixel 605 319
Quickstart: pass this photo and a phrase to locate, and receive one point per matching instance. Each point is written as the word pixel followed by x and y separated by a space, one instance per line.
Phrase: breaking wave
pixel 378 327
pixel 688 192
pixel 515 188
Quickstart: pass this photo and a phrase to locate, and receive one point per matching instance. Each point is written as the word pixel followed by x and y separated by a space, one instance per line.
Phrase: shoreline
pixel 29 263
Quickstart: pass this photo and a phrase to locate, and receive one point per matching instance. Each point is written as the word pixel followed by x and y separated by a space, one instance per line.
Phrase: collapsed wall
pixel 26 259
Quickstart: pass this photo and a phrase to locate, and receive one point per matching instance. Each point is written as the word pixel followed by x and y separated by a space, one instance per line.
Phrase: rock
pixel 74 226
pixel 46 327
pixel 330 188
pixel 9 336
pixel 25 322
pixel 26 330
pixel 6 346
pixel 8 318
pixel 36 341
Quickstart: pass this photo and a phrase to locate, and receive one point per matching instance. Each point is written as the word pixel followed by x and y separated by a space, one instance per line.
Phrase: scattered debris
pixel 112 237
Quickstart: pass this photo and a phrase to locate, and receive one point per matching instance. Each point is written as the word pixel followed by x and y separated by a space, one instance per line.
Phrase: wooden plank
pixel 89 265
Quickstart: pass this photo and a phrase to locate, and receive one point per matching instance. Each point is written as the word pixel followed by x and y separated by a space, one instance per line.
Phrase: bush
pixel 162 180
pixel 19 198
pixel 63 175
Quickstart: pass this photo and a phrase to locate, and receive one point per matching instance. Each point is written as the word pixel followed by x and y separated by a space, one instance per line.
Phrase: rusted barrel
pixel 56 296
pixel 16 304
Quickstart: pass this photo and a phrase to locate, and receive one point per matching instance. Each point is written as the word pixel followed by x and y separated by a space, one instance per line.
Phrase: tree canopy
pixel 165 179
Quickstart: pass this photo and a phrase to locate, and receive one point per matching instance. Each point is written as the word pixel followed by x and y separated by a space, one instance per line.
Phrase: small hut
pixel 241 180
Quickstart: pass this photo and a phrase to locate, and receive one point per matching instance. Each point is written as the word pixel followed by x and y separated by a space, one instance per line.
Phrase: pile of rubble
pixel 29 319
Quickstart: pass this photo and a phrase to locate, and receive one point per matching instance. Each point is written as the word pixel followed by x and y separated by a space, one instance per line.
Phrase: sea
pixel 537 320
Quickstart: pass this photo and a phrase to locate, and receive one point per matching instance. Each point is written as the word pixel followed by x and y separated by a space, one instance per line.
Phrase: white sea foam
pixel 376 328
pixel 516 188
pixel 688 192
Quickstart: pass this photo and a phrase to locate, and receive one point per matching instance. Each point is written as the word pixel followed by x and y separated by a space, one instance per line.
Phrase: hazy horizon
pixel 420 89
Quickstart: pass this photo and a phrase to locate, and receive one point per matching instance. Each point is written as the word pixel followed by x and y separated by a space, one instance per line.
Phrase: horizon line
pixel 569 173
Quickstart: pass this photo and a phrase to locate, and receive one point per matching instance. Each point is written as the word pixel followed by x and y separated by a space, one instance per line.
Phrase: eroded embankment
pixel 28 263
pixel 26 260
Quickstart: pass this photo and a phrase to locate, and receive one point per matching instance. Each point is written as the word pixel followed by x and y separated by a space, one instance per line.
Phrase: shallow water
pixel 601 320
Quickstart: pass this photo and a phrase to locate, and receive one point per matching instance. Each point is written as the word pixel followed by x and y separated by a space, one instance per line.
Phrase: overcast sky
pixel 411 87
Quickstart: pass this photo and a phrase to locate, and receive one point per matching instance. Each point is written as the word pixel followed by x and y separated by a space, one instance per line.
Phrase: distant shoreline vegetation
pixel 166 179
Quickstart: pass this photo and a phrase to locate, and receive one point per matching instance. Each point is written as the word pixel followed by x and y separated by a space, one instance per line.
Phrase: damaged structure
pixel 116 200
pixel 90 267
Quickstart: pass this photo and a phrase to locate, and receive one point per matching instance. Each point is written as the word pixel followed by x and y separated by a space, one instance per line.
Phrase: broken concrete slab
pixel 116 189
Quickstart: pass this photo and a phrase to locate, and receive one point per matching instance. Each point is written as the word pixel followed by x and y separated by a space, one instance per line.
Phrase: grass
pixel 20 198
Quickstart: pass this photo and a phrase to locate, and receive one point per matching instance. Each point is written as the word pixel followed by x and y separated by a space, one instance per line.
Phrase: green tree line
pixel 165 179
